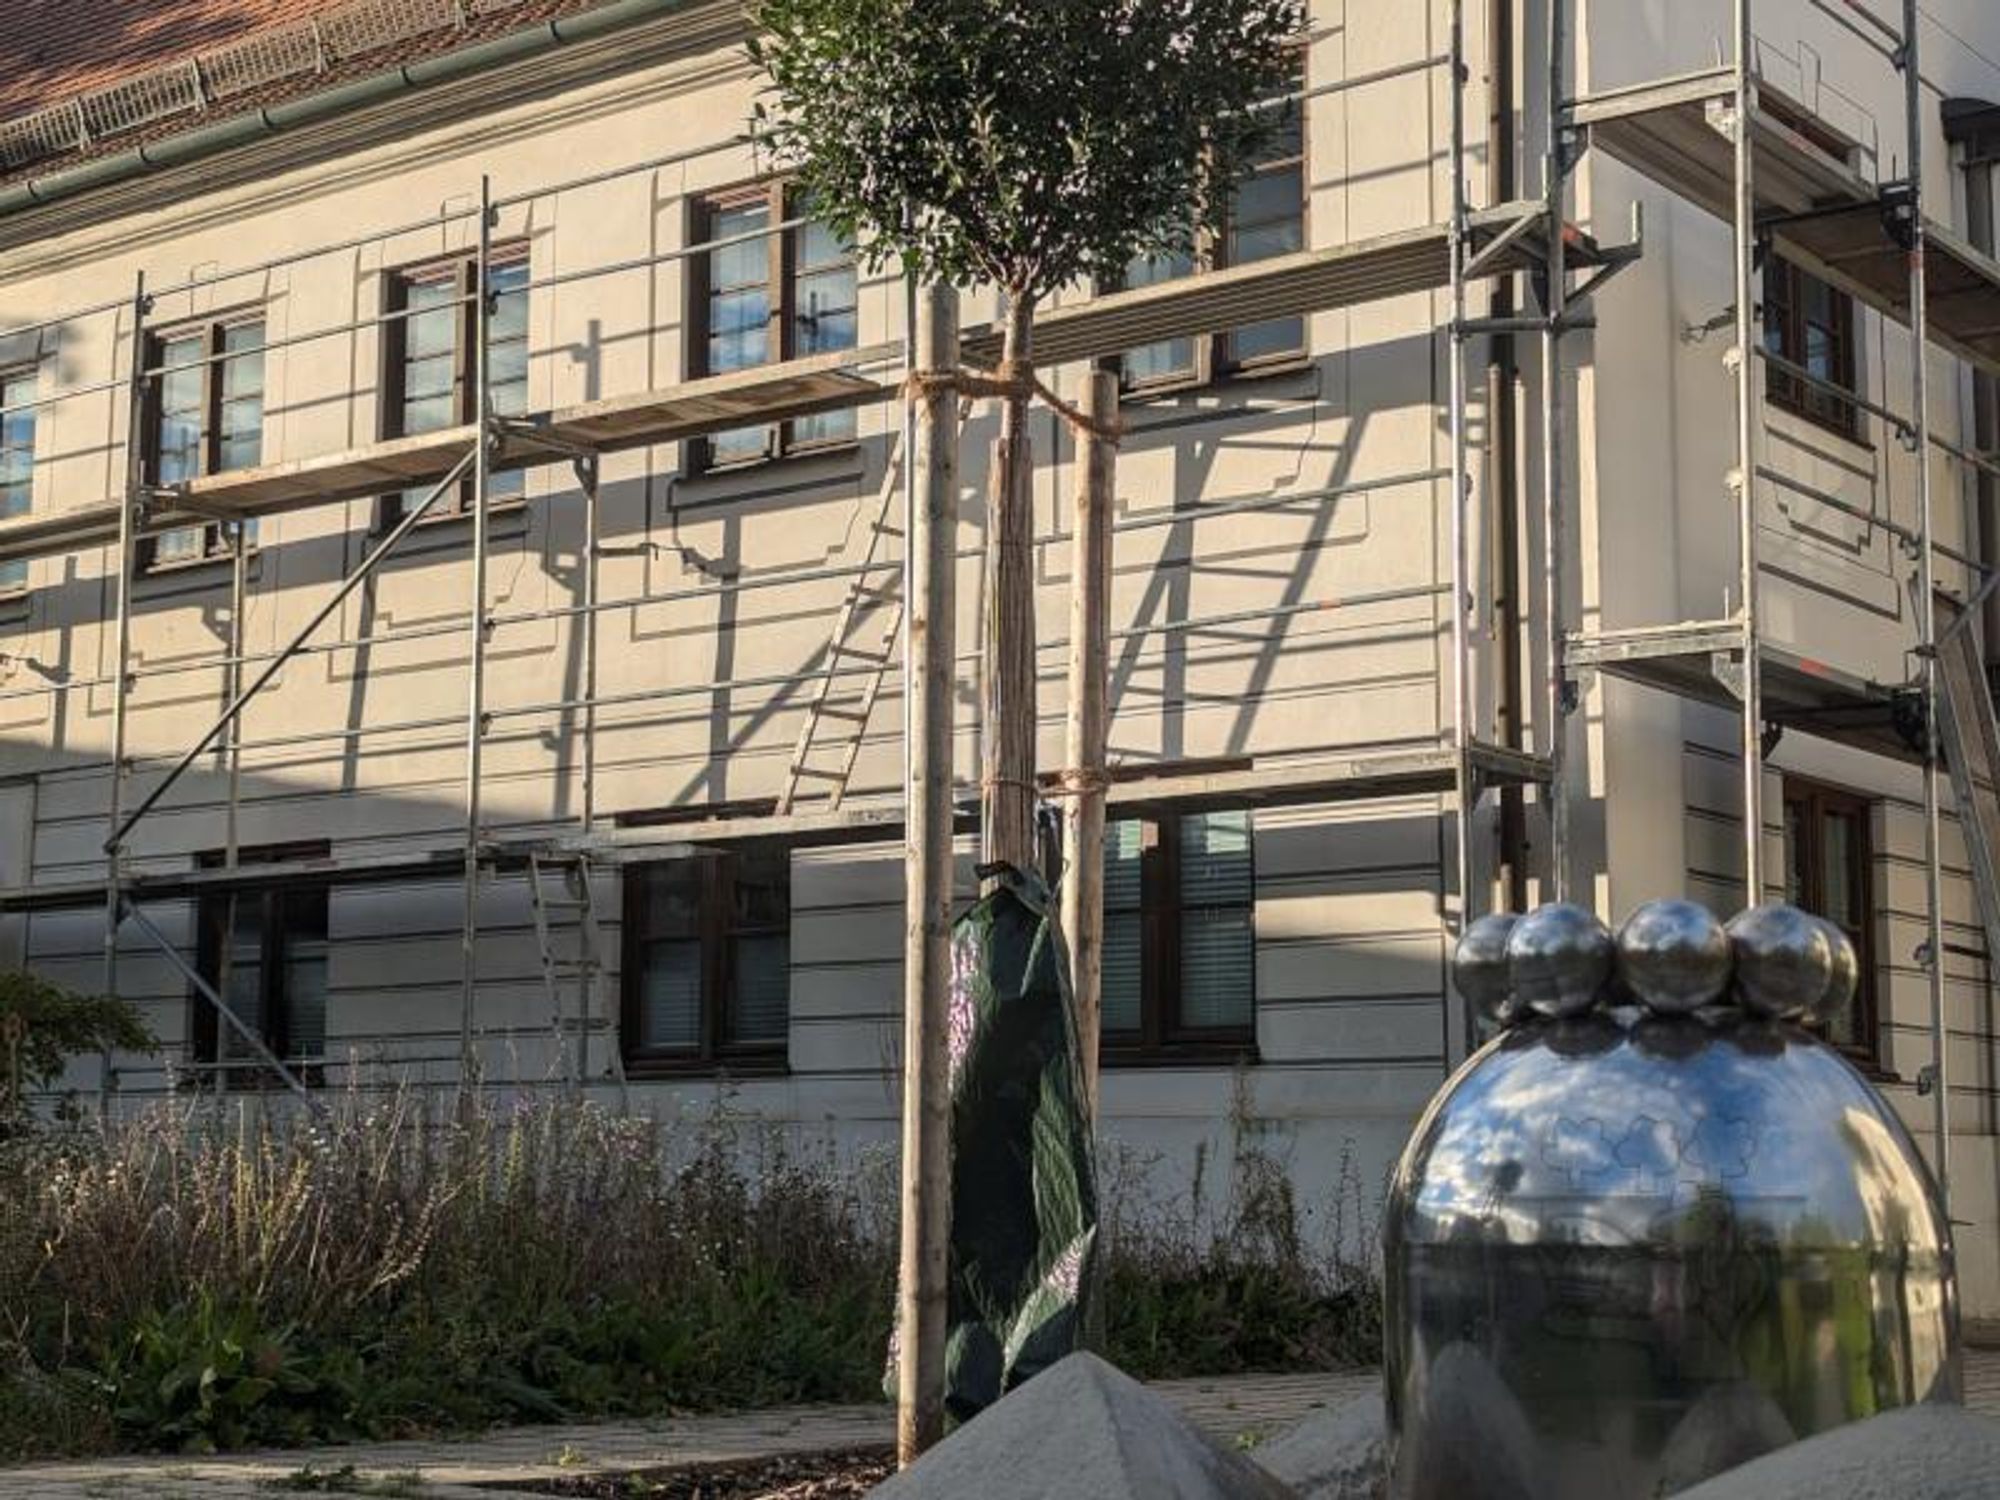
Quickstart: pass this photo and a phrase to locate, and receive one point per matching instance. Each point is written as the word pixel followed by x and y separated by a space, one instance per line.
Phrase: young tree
pixel 43 1026
pixel 1029 144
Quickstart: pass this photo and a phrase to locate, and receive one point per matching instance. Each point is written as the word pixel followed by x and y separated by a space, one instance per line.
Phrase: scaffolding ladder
pixel 875 586
pixel 564 904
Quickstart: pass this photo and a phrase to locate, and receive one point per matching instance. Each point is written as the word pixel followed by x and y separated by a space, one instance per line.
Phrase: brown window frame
pixel 1215 353
pixel 216 543
pixel 462 267
pixel 278 922
pixel 1816 800
pixel 716 932
pixel 779 196
pixel 1161 1037
pixel 1785 286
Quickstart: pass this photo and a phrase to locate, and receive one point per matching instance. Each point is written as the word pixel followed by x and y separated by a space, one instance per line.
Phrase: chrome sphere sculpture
pixel 1845 977
pixel 1558 958
pixel 1479 967
pixel 1674 956
pixel 1784 961
pixel 1645 1238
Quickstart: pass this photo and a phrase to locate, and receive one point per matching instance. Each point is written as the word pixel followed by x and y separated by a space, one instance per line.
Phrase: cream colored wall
pixel 1350 929
pixel 1834 588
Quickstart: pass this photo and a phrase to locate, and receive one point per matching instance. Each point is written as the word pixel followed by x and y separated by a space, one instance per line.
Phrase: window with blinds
pixel 707 972
pixel 1179 935
pixel 265 953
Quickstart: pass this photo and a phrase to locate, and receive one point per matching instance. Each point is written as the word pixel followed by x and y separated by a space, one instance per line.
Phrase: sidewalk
pixel 1240 1408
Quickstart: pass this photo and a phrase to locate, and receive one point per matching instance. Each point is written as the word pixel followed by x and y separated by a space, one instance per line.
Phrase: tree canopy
pixel 48 1026
pixel 1027 143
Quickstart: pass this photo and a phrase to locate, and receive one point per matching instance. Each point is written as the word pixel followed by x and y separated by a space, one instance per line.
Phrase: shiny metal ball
pixel 1560 959
pixel 1479 968
pixel 1846 976
pixel 1604 1264
pixel 1784 961
pixel 1674 956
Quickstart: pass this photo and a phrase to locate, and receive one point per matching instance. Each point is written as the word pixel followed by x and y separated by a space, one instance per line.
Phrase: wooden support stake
pixel 1088 723
pixel 929 699
pixel 1007 737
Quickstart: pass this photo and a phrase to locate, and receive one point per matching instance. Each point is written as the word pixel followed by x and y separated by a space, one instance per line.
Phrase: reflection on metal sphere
pixel 1479 967
pixel 1784 960
pixel 1559 958
pixel 1674 956
pixel 1846 976
pixel 1618 1271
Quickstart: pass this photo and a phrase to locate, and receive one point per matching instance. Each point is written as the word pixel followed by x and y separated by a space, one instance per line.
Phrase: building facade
pixel 690 706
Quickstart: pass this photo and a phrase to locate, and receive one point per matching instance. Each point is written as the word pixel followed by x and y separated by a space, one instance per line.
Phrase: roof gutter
pixel 275 119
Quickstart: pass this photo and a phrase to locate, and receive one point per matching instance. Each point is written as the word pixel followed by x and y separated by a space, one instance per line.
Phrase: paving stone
pixel 1336 1454
pixel 1935 1451
pixel 1081 1430
pixel 1233 1410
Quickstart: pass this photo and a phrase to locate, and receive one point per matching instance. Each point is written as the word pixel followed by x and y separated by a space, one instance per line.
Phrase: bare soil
pixel 847 1474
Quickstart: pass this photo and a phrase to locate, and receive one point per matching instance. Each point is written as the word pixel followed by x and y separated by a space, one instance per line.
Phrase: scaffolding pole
pixel 121 665
pixel 1554 310
pixel 1465 789
pixel 1749 412
pixel 1920 402
pixel 362 571
pixel 587 470
pixel 475 706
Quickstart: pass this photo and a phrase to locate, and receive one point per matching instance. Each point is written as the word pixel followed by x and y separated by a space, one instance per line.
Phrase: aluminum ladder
pixel 564 904
pixel 875 590
pixel 1970 741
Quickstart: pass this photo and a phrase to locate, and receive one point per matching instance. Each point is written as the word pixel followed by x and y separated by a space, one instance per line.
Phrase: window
pixel 1811 325
pixel 707 961
pixel 428 344
pixel 265 951
pixel 17 461
pixel 1266 217
pixel 205 416
pixel 1828 871
pixel 768 296
pixel 1179 935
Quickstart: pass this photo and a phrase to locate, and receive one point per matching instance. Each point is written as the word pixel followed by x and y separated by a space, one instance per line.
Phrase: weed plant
pixel 200 1276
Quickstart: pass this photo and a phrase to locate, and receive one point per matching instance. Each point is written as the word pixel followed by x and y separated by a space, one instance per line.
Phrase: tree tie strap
pixel 1077 781
pixel 1013 378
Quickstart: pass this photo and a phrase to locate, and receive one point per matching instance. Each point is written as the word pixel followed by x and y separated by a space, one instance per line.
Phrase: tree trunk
pixel 1007 780
pixel 1089 660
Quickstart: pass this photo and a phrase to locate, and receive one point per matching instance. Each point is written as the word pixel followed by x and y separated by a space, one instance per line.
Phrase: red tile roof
pixel 52 50
pixel 55 51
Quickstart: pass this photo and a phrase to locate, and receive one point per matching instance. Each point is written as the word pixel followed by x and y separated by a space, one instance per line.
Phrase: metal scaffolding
pixel 1473 244
pixel 1710 139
